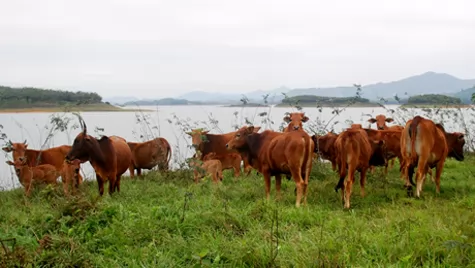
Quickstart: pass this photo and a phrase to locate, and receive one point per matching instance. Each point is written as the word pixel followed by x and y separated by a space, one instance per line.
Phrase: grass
pixel 99 107
pixel 149 225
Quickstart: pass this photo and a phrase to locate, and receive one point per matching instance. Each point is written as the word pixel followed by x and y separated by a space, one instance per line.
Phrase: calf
pixel 356 152
pixel 53 156
pixel 147 155
pixel 426 145
pixel 46 174
pixel 70 175
pixel 209 165
pixel 392 140
pixel 275 153
pixel 109 156
pixel 215 143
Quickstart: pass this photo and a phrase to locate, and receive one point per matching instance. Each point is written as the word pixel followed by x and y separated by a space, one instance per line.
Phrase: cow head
pixel 198 136
pixel 18 149
pixel 381 121
pixel 295 121
pixel 356 126
pixel 82 145
pixel 239 140
pixel 455 143
pixel 210 156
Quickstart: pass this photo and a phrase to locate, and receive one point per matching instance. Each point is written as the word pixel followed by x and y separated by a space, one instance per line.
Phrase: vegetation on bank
pixel 433 99
pixel 165 220
pixel 320 101
pixel 165 101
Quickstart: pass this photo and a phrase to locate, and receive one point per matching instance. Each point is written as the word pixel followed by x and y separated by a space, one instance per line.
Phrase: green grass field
pixel 168 221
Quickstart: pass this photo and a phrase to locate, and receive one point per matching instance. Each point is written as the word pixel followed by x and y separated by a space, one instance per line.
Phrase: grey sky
pixel 166 48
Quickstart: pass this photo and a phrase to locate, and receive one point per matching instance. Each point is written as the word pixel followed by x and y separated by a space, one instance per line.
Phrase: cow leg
pixel 278 183
pixel 66 187
pixel 289 177
pixel 421 170
pixel 363 181
pixel 237 170
pixel 299 183
pixel 267 183
pixel 139 172
pixel 117 183
pixel 131 171
pixel 349 184
pixel 100 184
pixel 391 164
pixel 438 173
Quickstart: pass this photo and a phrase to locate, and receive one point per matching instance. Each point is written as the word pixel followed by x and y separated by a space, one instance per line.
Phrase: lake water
pixel 171 121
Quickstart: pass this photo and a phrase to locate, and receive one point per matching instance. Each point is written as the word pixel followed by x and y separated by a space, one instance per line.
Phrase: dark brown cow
pixel 324 146
pixel 275 153
pixel 381 121
pixel 216 143
pixel 392 140
pixel 426 145
pixel 46 174
pixel 149 154
pixel 356 152
pixel 295 121
pixel 53 156
pixel 109 156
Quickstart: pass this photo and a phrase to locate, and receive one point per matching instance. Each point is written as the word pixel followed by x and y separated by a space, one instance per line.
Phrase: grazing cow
pixel 426 145
pixel 27 175
pixel 276 153
pixel 147 155
pixel 324 146
pixel 215 143
pixel 209 165
pixel 295 121
pixel 53 156
pixel 70 175
pixel 356 152
pixel 109 156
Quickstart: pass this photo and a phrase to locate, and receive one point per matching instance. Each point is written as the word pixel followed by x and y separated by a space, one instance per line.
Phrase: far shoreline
pixel 83 108
pixel 436 106
pixel 328 105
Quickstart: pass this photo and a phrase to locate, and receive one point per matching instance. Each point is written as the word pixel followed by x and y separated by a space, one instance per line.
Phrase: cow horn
pixel 24 142
pixel 10 142
pixel 82 123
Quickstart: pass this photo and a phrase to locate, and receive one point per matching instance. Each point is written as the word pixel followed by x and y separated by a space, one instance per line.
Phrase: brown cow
pixel 356 152
pixel 209 165
pixel 324 146
pixel 275 153
pixel 70 175
pixel 381 121
pixel 27 175
pixel 147 155
pixel 295 121
pixel 215 143
pixel 109 156
pixel 356 126
pixel 53 156
pixel 426 145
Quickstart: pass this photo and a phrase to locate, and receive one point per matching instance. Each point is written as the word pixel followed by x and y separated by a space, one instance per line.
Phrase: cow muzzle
pixel 296 127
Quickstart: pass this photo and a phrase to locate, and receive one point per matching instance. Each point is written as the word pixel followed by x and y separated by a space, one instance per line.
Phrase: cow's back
pixel 215 143
pixel 353 146
pixel 123 154
pixel 283 149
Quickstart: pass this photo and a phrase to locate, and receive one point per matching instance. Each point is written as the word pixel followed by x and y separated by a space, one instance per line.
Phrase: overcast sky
pixel 166 48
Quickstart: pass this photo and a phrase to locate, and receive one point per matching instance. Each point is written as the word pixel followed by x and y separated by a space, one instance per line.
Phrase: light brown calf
pixel 209 165
pixel 70 176
pixel 44 174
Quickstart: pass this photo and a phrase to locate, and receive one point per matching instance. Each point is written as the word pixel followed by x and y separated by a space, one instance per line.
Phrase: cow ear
pixel 256 129
pixel 7 149
pixel 372 120
pixel 305 119
pixel 287 119
pixel 461 137
pixel 204 132
pixel 389 120
pixel 250 129
pixel 9 162
pixel 189 133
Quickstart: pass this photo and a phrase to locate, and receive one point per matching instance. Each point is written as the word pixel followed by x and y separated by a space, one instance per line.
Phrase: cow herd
pixel 420 144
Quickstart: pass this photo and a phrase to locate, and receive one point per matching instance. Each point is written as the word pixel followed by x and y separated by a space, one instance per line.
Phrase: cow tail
pixel 342 166
pixel 169 154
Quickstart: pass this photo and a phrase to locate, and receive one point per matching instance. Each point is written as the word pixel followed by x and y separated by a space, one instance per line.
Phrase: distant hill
pixel 165 101
pixel 426 83
pixel 120 100
pixel 465 95
pixel 274 96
